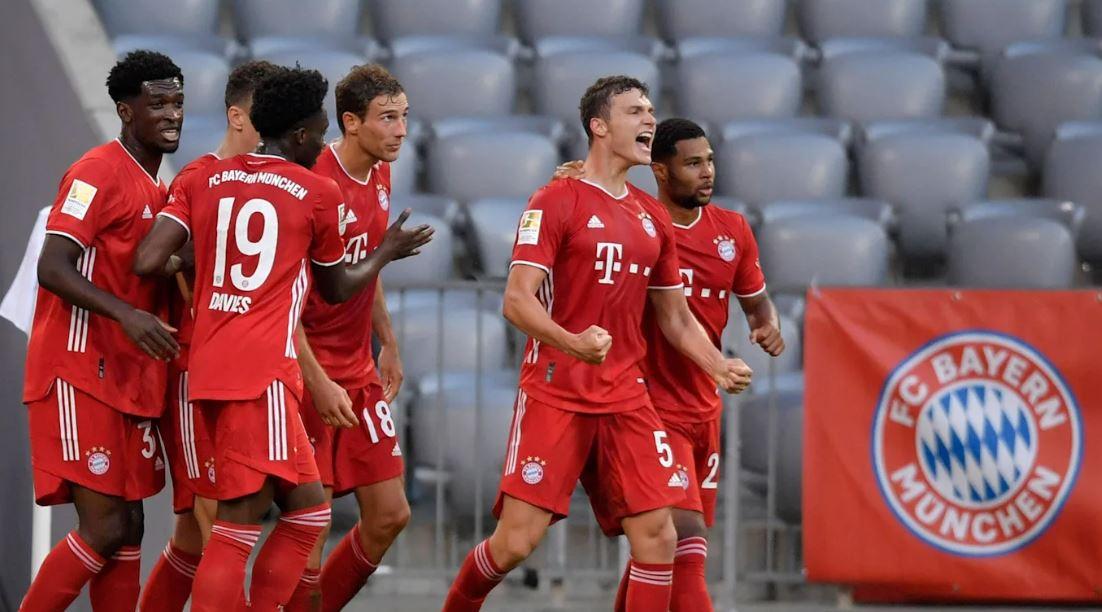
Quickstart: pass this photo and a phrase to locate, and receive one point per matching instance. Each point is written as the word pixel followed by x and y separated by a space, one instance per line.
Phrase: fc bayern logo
pixel 384 201
pixel 648 227
pixel 98 463
pixel 726 249
pixel 532 472
pixel 976 443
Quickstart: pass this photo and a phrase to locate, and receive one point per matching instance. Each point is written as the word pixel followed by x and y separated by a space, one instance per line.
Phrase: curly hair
pixel 125 79
pixel 669 133
pixel 287 98
pixel 597 100
pixel 362 85
pixel 244 80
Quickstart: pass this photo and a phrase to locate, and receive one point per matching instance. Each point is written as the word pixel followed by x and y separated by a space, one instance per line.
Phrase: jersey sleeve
pixel 178 208
pixel 85 202
pixel 666 274
pixel 326 244
pixel 749 278
pixel 542 228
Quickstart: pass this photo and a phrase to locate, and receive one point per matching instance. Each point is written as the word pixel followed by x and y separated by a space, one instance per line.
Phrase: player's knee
pixel 389 523
pixel 518 546
pixel 689 525
pixel 107 533
pixel 654 539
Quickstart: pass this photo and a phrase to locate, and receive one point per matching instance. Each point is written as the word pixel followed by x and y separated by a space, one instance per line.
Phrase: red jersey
pixel 340 334
pixel 601 254
pixel 718 257
pixel 105 203
pixel 180 315
pixel 255 220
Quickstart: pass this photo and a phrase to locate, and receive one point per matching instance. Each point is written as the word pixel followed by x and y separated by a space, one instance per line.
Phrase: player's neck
pixel 679 214
pixel 356 162
pixel 607 170
pixel 234 144
pixel 274 148
pixel 150 161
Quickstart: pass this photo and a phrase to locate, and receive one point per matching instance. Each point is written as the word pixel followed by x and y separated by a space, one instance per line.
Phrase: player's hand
pixel 592 345
pixel 390 369
pixel 333 404
pixel 768 337
pixel 571 169
pixel 734 376
pixel 400 243
pixel 150 334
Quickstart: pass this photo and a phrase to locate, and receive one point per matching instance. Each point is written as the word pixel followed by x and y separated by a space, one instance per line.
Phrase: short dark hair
pixel 125 79
pixel 597 100
pixel 244 80
pixel 287 98
pixel 362 85
pixel 669 133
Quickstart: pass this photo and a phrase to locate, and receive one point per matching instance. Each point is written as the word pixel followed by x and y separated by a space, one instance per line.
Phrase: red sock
pixel 117 585
pixel 690 585
pixel 622 592
pixel 477 577
pixel 68 566
pixel 346 571
pixel 307 595
pixel 169 584
pixel 220 578
pixel 284 555
pixel 649 587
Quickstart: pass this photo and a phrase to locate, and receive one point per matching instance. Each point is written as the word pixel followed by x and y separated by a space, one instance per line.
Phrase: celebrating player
pixel 589 255
pixel 343 384
pixel 255 220
pixel 95 376
pixel 189 446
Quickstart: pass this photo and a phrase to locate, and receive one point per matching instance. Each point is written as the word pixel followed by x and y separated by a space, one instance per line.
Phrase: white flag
pixel 18 304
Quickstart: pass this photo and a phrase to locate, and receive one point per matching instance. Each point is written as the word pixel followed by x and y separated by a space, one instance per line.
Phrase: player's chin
pixel 166 145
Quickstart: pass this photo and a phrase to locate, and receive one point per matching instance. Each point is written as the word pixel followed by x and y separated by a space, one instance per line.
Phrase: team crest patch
pixel 532 471
pixel 99 460
pixel 976 443
pixel 210 470
pixel 529 230
pixel 725 246
pixel 648 224
pixel 384 200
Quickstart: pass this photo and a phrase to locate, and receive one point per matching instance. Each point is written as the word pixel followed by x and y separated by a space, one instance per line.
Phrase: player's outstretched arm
pixel 765 326
pixel 685 333
pixel 338 283
pixel 157 248
pixel 58 274
pixel 525 312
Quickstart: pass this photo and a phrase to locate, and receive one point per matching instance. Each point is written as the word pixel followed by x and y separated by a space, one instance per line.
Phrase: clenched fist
pixel 734 376
pixel 592 345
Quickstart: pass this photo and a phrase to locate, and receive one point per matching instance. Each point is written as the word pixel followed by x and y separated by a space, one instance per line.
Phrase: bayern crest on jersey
pixel 725 246
pixel 384 200
pixel 976 443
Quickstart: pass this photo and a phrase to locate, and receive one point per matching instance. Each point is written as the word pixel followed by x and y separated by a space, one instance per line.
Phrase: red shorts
pixel 76 439
pixel 623 460
pixel 696 447
pixel 188 444
pixel 357 457
pixel 257 439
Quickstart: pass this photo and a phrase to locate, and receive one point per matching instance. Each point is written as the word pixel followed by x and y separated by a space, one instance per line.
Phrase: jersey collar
pixel 156 180
pixel 699 216
pixel 615 197
pixel 333 149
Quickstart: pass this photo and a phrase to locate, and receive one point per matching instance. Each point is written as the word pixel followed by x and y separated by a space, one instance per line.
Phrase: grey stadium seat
pixel 680 19
pixel 761 168
pixel 690 48
pixel 718 88
pixel 1033 93
pixel 187 17
pixel 560 80
pixel 424 347
pixel 1062 211
pixel 1071 173
pixel 434 264
pixel 736 340
pixel 1091 18
pixel 484 165
pixel 826 249
pixel 205 77
pixel 837 129
pixel 393 19
pixel 923 175
pixel 823 19
pixel 439 206
pixel 403 171
pixel 543 125
pixel 643 45
pixel 881 85
pixel 171 44
pixel 494 230
pixel 332 64
pixel 970 24
pixel 437 43
pixel 457 83
pixel 1012 251
pixel 934 48
pixel 335 19
pixel 977 127
pixel 536 19
pixel 878 211
pixel 788 447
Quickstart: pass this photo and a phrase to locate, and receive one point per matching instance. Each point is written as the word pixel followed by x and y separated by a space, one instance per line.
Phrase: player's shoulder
pixel 326 163
pixel 194 167
pixel 649 203
pixel 730 220
pixel 557 194
pixel 100 162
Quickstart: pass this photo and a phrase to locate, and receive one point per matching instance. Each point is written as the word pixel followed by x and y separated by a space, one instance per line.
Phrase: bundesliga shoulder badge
pixel 976 443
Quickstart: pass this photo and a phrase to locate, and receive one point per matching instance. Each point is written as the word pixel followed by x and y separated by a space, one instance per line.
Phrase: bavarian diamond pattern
pixel 975 442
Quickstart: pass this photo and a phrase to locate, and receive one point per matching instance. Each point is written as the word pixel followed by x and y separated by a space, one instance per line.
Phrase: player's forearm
pixel 59 276
pixel 525 312
pixel 760 312
pixel 312 372
pixel 357 276
pixel 685 333
pixel 380 318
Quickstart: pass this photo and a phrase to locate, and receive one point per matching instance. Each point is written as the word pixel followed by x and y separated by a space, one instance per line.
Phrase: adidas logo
pixel 147 214
pixel 350 217
pixel 675 482
pixel 397 452
pixel 595 223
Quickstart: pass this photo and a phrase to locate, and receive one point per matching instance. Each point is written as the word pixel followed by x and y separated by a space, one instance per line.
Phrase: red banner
pixel 953 443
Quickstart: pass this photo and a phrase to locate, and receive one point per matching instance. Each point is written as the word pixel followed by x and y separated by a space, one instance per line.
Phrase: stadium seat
pixel 439 43
pixel 680 19
pixel 754 432
pixel 969 24
pixel 826 249
pixel 486 165
pixel 923 175
pixel 536 19
pixel 823 19
pixel 560 80
pixel 1071 173
pixel 457 83
pixel 1011 251
pixel 1032 93
pixel 430 339
pixel 442 207
pixel 391 19
pixel 403 171
pixel 1091 17
pixel 493 231
pixel 273 26
pixel 736 340
pixel 761 168
pixel 205 77
pixel 878 211
pixel 333 65
pixel 874 86
pixel 195 18
pixel 718 88
pixel 643 45
pixel 171 44
pixel 977 127
pixel 434 264
pixel 837 129
pixel 934 48
pixel 690 48
pixel 1063 211
pixel 548 127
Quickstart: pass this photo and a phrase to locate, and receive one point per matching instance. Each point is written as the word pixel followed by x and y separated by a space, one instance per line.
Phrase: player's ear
pixel 235 116
pixel 661 172
pixel 598 126
pixel 351 123
pixel 124 111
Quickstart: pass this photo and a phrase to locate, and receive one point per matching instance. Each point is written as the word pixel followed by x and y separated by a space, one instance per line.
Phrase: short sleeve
pixel 326 244
pixel 749 278
pixel 666 274
pixel 542 227
pixel 178 207
pixel 85 202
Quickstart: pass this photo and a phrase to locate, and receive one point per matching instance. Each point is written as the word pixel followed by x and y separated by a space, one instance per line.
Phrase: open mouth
pixel 171 134
pixel 645 139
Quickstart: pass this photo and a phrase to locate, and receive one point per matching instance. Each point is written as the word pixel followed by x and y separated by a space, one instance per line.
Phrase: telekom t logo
pixel 608 260
pixel 687 278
